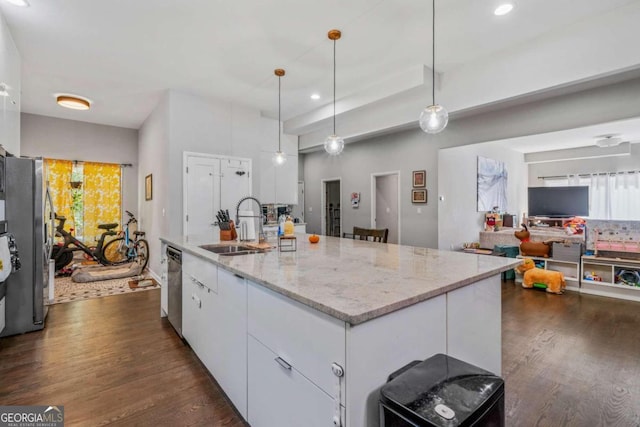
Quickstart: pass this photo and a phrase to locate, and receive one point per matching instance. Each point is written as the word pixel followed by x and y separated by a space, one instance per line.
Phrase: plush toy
pixel 528 248
pixel 552 280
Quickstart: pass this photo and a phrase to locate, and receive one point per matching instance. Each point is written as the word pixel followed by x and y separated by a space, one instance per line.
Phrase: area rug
pixel 66 290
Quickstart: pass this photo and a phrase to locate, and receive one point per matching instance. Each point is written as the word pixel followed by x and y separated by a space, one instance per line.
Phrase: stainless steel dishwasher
pixel 174 304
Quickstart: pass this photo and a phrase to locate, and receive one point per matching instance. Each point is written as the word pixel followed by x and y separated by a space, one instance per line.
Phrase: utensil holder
pixel 228 235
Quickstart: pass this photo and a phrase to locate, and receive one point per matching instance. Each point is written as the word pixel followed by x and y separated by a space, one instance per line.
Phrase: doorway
pixel 298 210
pixel 331 221
pixel 385 203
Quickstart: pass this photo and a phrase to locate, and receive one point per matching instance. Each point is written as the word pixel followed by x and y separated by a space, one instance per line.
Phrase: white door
pixel 202 196
pixel 236 183
pixel 298 210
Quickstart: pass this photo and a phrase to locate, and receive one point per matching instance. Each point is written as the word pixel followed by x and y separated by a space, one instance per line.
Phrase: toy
pixel 529 248
pixel 575 225
pixel 593 276
pixel 552 281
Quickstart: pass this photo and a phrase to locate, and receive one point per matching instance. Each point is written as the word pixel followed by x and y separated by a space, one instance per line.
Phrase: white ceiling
pixel 123 54
pixel 628 130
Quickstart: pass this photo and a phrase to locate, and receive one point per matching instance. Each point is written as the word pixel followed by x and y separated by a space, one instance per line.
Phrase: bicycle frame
pixel 69 239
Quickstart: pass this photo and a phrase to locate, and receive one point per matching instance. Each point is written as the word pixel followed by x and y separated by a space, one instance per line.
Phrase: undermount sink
pixel 230 250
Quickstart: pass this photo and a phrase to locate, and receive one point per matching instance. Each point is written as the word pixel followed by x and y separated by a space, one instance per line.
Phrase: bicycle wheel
pixel 142 253
pixel 115 252
pixel 62 259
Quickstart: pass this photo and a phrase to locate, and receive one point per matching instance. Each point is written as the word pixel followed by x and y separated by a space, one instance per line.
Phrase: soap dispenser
pixel 289 228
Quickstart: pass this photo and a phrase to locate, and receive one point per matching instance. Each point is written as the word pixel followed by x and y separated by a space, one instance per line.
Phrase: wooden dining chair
pixel 375 235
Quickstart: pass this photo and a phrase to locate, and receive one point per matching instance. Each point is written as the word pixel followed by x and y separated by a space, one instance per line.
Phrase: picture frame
pixel 420 179
pixel 148 187
pixel 355 200
pixel 419 196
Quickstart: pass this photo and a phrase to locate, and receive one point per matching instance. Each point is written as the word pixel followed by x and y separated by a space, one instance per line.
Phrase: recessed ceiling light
pixel 19 3
pixel 73 102
pixel 503 9
pixel 315 96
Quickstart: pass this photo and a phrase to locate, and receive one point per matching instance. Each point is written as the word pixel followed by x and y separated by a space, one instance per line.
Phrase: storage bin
pixel 511 252
pixel 566 251
pixel 442 391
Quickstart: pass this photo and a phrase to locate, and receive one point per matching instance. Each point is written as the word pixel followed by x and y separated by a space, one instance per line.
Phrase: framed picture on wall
pixel 419 179
pixel 148 187
pixel 419 196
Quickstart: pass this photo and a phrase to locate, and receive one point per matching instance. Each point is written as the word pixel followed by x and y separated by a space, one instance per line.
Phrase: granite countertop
pixel 354 280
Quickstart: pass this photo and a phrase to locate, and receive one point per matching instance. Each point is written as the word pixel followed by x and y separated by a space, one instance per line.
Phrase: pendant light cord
pixel 433 52
pixel 279 111
pixel 334 87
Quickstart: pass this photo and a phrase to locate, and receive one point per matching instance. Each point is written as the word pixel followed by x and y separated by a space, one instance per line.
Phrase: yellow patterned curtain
pixel 58 176
pixel 102 198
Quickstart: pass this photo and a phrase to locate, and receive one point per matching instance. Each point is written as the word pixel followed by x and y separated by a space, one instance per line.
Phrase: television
pixel 559 202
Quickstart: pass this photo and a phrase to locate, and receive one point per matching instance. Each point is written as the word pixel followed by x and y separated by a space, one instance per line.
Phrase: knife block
pixel 228 235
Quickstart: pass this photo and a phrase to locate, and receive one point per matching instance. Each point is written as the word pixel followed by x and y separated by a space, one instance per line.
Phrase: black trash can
pixel 442 391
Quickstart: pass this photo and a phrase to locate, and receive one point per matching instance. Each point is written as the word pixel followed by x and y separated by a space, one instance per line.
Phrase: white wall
pixel 72 140
pixel 458 219
pixel 386 188
pixel 604 164
pixel 10 66
pixel 153 154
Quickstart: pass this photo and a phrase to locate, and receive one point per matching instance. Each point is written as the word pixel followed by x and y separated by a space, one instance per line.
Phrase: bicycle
pixel 108 254
pixel 123 250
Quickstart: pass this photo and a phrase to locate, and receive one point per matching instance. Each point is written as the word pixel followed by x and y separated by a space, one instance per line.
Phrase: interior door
pixel 387 205
pixel 202 198
pixel 236 183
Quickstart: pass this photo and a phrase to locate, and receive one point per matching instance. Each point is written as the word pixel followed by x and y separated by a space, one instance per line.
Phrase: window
pixel 611 195
pixel 86 194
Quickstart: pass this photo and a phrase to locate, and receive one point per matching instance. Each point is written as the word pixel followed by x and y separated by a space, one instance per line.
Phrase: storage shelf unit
pixel 570 269
pixel 608 269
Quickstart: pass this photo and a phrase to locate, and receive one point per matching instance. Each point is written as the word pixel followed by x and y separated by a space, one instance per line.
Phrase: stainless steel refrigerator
pixel 29 218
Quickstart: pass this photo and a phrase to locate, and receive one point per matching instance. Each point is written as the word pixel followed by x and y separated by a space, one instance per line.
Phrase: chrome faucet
pixel 261 237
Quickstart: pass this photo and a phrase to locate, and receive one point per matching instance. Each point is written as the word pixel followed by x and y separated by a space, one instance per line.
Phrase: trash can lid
pixel 442 391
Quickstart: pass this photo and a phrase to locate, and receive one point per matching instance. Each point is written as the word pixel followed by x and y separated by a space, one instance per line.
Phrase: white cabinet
pixel 214 323
pixel 211 183
pixel 279 395
pixel 278 185
pixel 611 277
pixel 292 353
pixel 226 340
pixel 301 228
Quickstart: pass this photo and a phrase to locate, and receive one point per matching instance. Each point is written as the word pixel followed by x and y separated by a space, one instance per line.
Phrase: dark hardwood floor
pixel 112 361
pixel 570 360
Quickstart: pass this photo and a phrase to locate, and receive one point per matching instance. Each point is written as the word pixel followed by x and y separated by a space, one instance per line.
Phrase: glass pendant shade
pixel 279 158
pixel 333 145
pixel 434 119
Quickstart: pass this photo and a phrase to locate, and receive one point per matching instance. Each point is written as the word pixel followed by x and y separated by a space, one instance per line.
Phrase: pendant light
pixel 334 144
pixel 279 157
pixel 433 118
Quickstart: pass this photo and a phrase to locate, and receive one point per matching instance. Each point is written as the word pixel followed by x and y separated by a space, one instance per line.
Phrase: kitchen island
pixel 308 337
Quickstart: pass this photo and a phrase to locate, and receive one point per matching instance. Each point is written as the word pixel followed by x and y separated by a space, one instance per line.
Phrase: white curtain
pixel 611 195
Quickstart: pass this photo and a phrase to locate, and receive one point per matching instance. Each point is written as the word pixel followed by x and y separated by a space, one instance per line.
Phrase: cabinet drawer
pixel 283 397
pixel 197 270
pixel 305 338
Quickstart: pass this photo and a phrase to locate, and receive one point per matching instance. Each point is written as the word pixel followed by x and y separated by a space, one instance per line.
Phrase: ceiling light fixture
pixel 433 118
pixel 73 102
pixel 503 9
pixel 279 157
pixel 3 89
pixel 608 141
pixel 19 3
pixel 315 96
pixel 334 144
